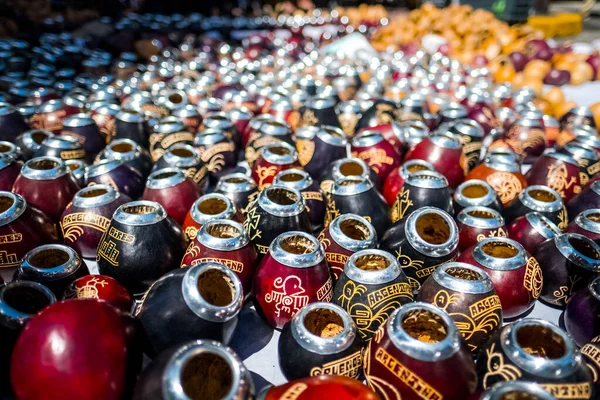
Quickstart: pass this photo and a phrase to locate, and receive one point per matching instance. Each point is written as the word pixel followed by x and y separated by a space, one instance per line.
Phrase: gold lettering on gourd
pixel 262 249
pixel 233 265
pixel 406 376
pixel 336 257
pixel 385 390
pixel 71 154
pixel 72 224
pixel 312 196
pixel 331 212
pixel 563 219
pixel 120 235
pixel 89 290
pixel 325 292
pixel 108 251
pixel 347 366
pixel 569 390
pixel 8 259
pixel 173 138
pixel 564 293
pixel 263 174
pixel 482 318
pixel 191 232
pixel 365 317
pixel 593 169
pixel 294 391
pixel 11 238
pixel 533 280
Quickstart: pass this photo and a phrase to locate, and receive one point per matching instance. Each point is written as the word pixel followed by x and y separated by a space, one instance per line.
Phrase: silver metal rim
pixel 429 352
pixel 230 187
pixel 180 161
pixel 31 272
pixel 484 223
pixel 539 366
pixel 202 308
pixel 391 272
pixel 500 264
pixel 359 185
pixel 223 244
pixel 542 225
pixel 78 120
pixel 177 176
pixel 583 220
pixel 171 379
pixel 202 218
pixel 280 210
pixel 347 242
pixel 424 247
pixel 444 279
pixel 306 260
pixel 541 206
pixel 571 254
pixel 15 210
pixel 465 201
pixel 367 138
pixel 299 185
pixel 318 344
pixel 16 318
pixel 29 172
pixel 279 159
pixel 427 180
pixel 79 200
pixel 149 218
pixel 501 389
pixel 102 167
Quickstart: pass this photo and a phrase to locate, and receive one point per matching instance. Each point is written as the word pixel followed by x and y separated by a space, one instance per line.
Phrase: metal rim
pixel 222 244
pixel 29 172
pixel 154 181
pixel 539 366
pixel 424 247
pixel 318 344
pixel 31 272
pixel 281 210
pixel 201 307
pixel 448 281
pixel 429 352
pixel 391 272
pixel 465 218
pixel 110 195
pixel 348 243
pixel 501 264
pixel 154 214
pixel 306 260
pixel 465 201
pixel 171 379
pixel 202 218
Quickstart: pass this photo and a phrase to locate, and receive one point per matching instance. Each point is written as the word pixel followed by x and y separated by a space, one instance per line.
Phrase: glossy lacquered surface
pixel 76 349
